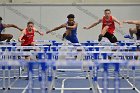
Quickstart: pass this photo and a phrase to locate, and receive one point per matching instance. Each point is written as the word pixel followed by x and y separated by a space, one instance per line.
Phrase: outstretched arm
pixel 57 28
pixel 94 24
pixel 39 32
pixel 132 22
pixel 21 36
pixel 117 21
pixel 12 25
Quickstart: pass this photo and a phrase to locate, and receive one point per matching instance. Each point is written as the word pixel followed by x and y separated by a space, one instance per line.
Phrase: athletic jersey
pixel 1 28
pixel 109 23
pixel 73 36
pixel 28 38
pixel 73 31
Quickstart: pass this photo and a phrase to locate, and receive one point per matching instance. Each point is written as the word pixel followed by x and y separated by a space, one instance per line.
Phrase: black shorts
pixel 111 37
pixel 138 34
pixel 25 50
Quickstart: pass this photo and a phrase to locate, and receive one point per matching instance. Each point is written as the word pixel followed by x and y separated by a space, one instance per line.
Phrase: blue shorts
pixel 72 39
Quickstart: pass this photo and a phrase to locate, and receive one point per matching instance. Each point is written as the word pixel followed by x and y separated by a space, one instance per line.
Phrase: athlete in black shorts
pixel 135 30
pixel 108 26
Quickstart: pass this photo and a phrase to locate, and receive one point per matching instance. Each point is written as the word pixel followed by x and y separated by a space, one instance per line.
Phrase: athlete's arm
pixel 12 25
pixel 117 21
pixel 132 22
pixel 57 28
pixel 39 32
pixel 94 24
pixel 73 27
pixel 21 36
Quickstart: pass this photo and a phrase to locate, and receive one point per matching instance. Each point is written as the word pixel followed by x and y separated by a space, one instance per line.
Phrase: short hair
pixel 107 10
pixel 30 22
pixel 0 18
pixel 71 16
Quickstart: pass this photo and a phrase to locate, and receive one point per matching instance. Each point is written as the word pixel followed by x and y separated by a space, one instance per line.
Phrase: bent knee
pixel 130 29
pixel 106 27
pixel 33 44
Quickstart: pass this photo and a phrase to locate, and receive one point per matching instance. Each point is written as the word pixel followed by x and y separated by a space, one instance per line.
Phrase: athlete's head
pixel 0 19
pixel 107 12
pixel 71 19
pixel 30 25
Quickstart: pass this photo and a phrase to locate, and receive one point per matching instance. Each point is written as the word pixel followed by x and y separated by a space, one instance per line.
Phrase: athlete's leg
pixel 138 37
pixel 74 40
pixel 132 31
pixel 111 37
pixel 103 32
pixel 67 33
pixel 6 37
pixel 28 58
pixel 33 44
pixel 64 36
pixel 138 34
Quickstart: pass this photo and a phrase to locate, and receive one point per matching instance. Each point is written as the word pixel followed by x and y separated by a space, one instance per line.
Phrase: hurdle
pixel 9 48
pixel 31 64
pixel 127 54
pixel 95 56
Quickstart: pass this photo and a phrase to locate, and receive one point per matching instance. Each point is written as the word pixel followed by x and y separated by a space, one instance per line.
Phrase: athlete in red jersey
pixel 110 23
pixel 27 37
pixel 108 26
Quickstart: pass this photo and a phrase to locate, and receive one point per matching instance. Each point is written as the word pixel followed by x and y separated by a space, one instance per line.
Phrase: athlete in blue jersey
pixel 71 29
pixel 6 37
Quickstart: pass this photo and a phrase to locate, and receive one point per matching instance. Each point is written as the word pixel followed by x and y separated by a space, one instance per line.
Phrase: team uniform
pixel 110 32
pixel 28 38
pixel 72 37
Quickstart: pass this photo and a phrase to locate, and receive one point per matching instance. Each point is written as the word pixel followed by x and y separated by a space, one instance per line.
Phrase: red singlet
pixel 109 23
pixel 29 38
